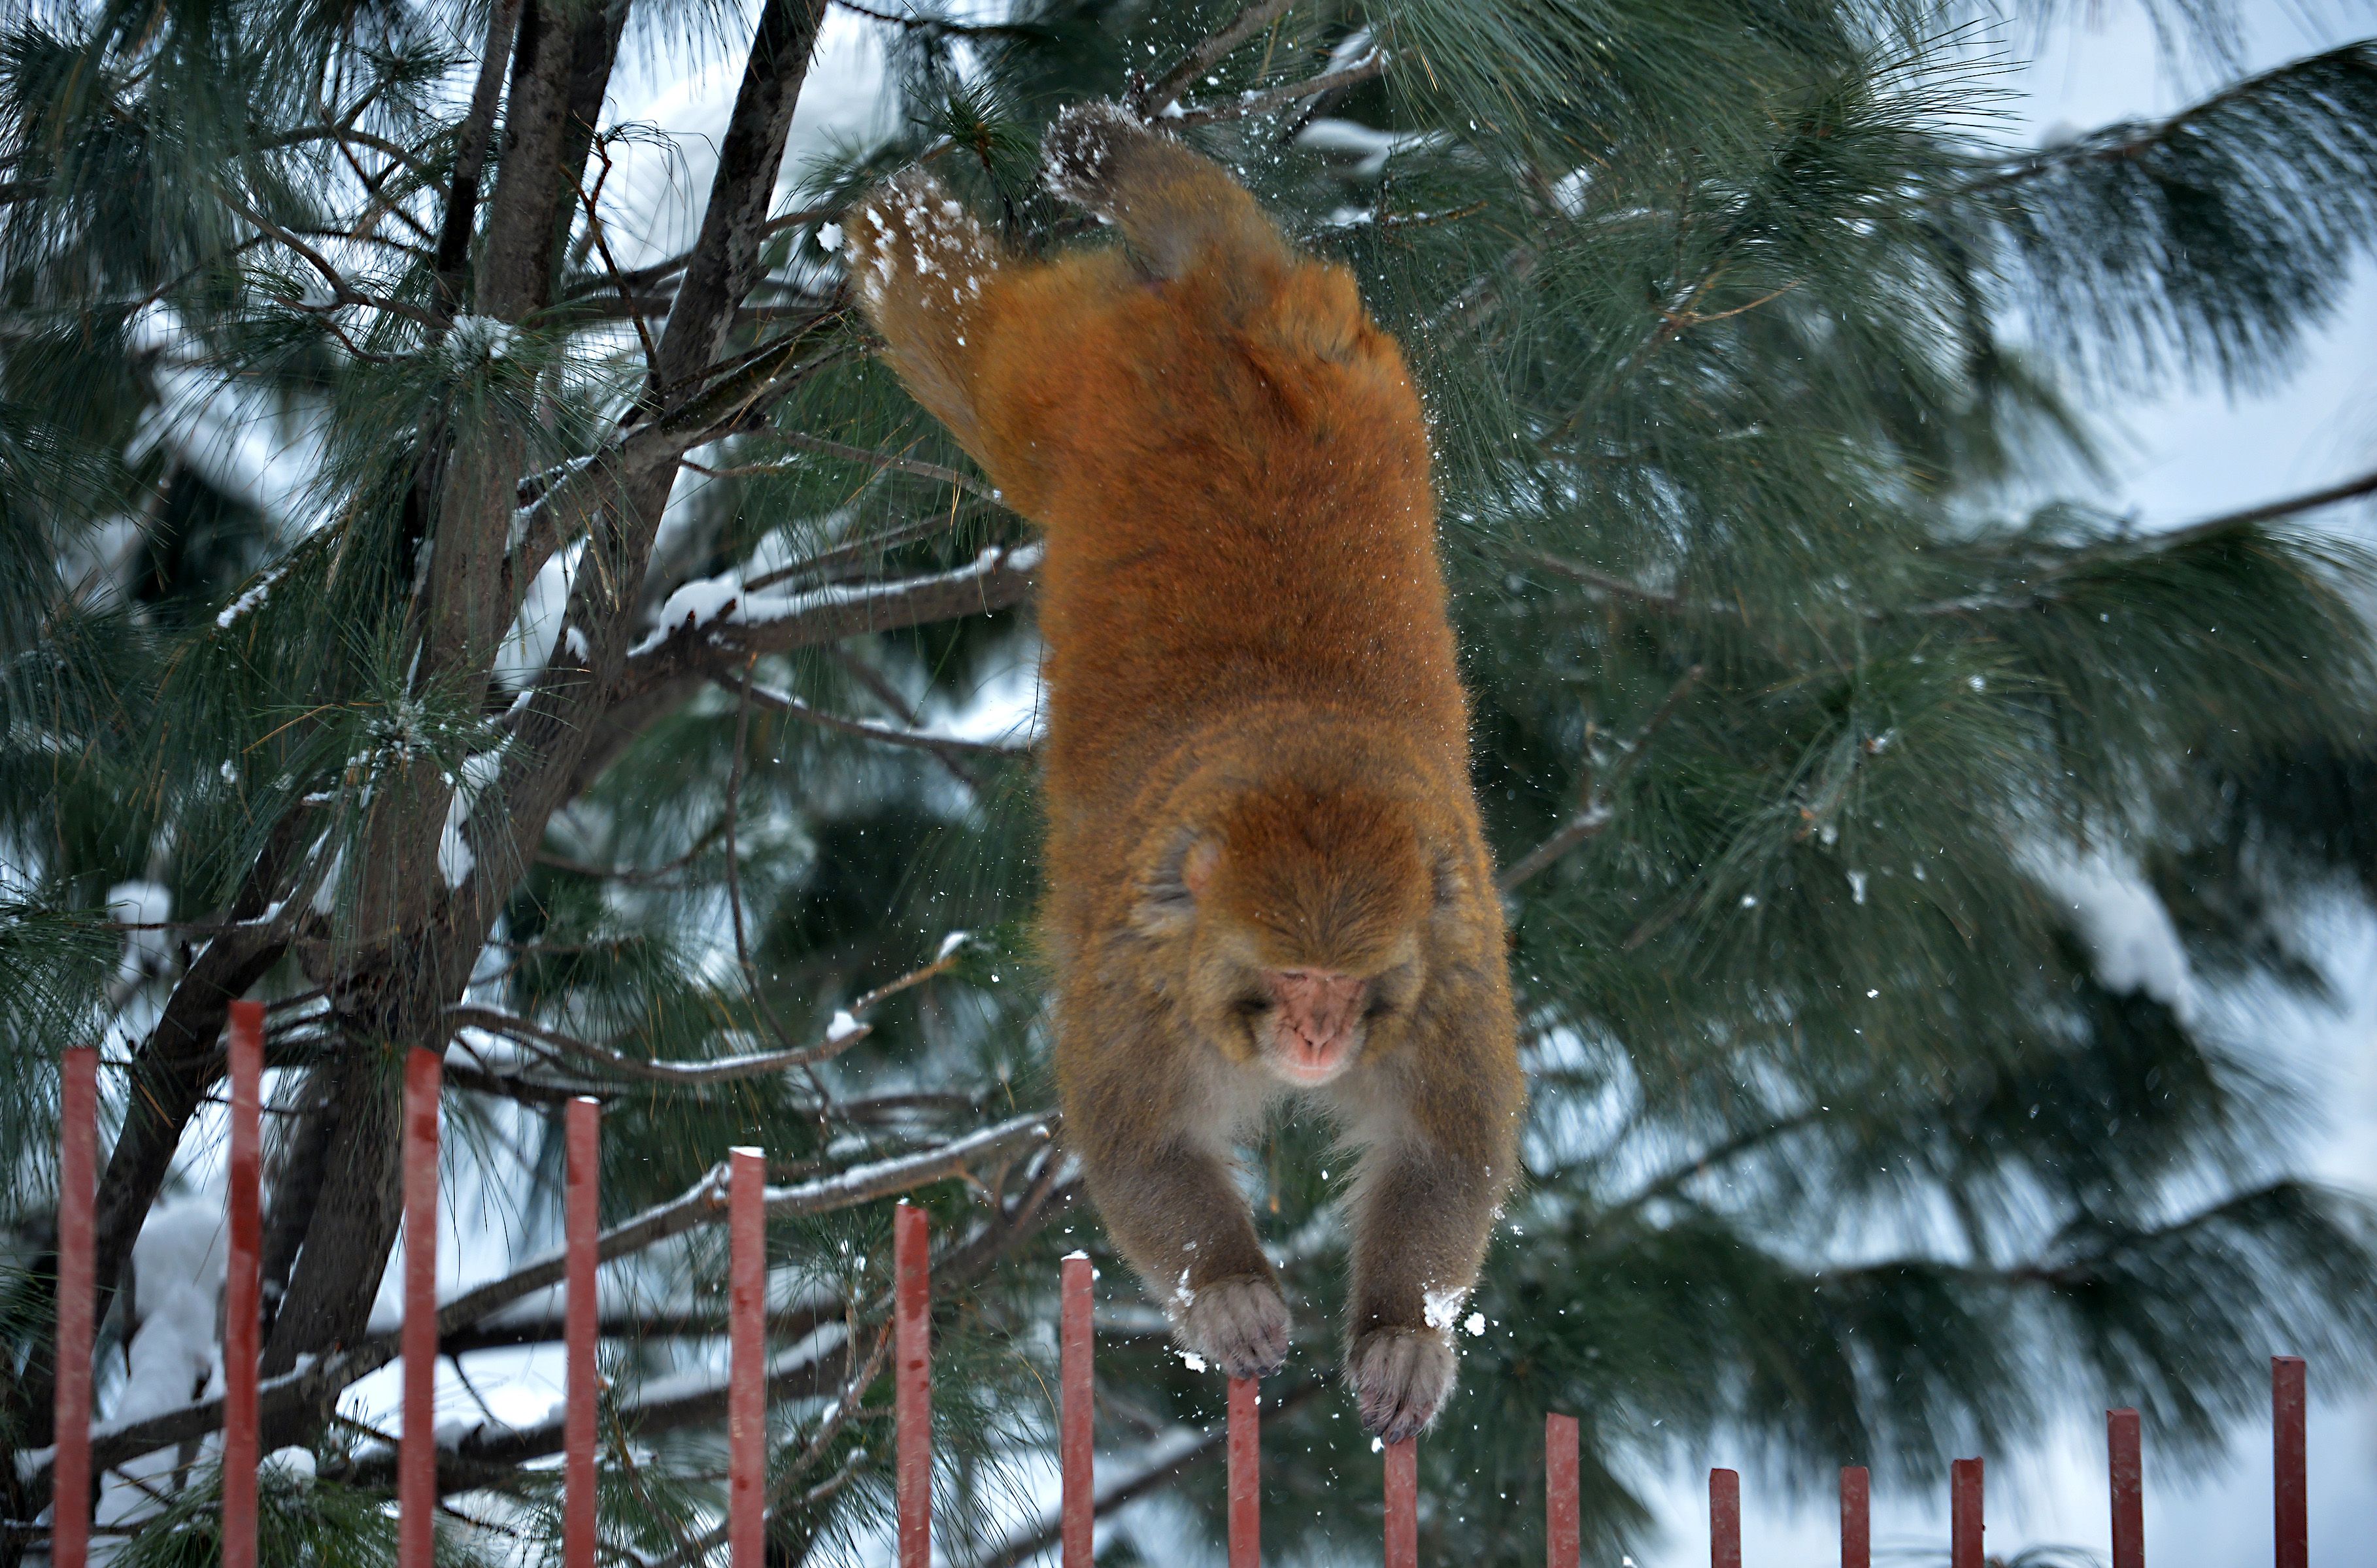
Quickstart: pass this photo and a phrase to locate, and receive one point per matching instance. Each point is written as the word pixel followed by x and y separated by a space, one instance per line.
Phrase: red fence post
pixel 1563 1542
pixel 1078 1389
pixel 582 1223
pixel 242 1285
pixel 1964 1526
pixel 913 1408
pixel 1724 1519
pixel 416 1470
pixel 1246 1474
pixel 1857 1517
pixel 2128 1487
pixel 70 1415
pixel 2292 1490
pixel 1403 1503
pixel 746 1329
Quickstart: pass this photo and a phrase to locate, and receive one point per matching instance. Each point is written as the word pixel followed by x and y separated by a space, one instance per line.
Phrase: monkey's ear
pixel 1167 900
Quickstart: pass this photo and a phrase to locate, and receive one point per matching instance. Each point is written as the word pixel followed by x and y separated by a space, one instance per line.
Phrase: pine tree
pixel 1738 327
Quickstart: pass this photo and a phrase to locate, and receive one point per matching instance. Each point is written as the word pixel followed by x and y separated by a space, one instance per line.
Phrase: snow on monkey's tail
pixel 919 262
pixel 1176 210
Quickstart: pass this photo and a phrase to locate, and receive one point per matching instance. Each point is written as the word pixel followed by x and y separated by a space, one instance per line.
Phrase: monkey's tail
pixel 1176 209
pixel 921 263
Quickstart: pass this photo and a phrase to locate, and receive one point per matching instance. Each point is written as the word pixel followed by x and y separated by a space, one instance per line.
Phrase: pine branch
pixel 341 290
pixel 719 1070
pixel 1366 68
pixel 898 462
pixel 1598 807
pixel 2133 141
pixel 1209 52
pixel 2312 501
pixel 2050 584
pixel 948 746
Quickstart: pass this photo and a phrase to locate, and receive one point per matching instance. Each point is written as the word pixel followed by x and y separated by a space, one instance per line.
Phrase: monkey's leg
pixel 1421 1215
pixel 921 263
pixel 1174 208
pixel 1171 1207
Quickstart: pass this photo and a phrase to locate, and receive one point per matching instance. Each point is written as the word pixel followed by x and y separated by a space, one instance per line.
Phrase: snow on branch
pixel 706 623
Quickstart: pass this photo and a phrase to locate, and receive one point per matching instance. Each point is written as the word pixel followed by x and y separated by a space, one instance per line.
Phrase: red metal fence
pixel 747 1411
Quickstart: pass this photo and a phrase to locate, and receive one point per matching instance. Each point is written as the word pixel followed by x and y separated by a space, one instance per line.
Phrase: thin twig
pixel 592 201
pixel 344 291
pixel 824 561
pixel 721 1070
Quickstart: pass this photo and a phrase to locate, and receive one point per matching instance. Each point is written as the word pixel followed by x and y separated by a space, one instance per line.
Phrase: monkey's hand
pixel 1239 1325
pixel 1400 1377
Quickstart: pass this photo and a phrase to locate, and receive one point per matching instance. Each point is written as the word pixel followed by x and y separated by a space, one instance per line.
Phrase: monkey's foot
pixel 1401 1377
pixel 1239 1325
pixel 1079 155
pixel 911 237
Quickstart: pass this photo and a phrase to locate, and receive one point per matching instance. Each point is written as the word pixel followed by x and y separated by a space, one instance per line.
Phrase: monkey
pixel 1266 875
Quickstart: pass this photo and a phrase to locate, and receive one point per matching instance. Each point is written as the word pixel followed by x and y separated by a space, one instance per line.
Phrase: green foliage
pixel 1737 320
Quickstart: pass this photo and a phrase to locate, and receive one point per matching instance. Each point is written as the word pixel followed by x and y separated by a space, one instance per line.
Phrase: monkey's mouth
pixel 1314 1028
pixel 1306 1065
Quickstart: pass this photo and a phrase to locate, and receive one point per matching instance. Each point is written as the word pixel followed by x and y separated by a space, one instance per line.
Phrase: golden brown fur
pixel 1259 807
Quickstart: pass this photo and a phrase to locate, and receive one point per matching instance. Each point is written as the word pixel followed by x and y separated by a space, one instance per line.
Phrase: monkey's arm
pixel 1424 1204
pixel 1160 1177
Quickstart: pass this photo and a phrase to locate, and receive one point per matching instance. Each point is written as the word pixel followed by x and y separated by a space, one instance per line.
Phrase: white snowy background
pixel 2187 456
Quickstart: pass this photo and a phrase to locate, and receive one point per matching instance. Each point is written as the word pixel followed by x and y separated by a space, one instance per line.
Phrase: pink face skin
pixel 1315 1023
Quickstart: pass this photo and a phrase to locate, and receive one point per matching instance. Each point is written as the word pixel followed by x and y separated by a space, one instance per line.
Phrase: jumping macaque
pixel 1265 871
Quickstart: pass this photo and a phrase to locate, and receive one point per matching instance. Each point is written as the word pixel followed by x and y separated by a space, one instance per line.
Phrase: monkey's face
pixel 1306 1027
pixel 1297 923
